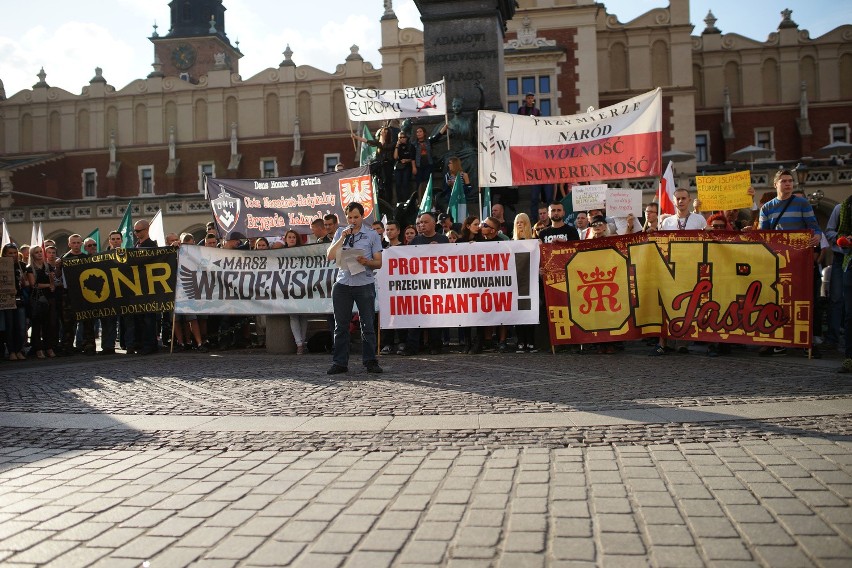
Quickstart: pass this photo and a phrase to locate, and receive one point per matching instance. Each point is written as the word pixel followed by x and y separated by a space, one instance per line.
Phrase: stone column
pixel 279 336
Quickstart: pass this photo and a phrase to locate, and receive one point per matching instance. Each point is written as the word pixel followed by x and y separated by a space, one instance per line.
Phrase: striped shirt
pixel 798 216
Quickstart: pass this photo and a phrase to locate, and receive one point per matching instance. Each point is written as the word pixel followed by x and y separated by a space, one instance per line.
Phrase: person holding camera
pixel 405 167
pixel 528 108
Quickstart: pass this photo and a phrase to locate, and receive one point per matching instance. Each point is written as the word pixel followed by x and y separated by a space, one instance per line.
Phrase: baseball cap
pixel 235 236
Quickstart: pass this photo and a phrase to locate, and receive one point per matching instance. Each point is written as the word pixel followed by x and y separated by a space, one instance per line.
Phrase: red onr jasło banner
pixel 753 288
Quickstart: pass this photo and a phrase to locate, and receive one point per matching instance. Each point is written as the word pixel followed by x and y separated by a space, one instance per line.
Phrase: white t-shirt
pixel 694 222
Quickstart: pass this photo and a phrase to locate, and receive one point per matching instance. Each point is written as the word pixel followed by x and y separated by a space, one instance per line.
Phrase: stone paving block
pixel 787 506
pixel 353 523
pixel 399 520
pixel 203 509
pixel 452 496
pixel 452 513
pixel 724 549
pixel 772 534
pixel 520 560
pixel 800 525
pixel 147 519
pixel 464 483
pixel 820 499
pixel 260 526
pixel 175 526
pixel 484 518
pixel 613 522
pixel 611 505
pixel 662 535
pixel 622 561
pixel 367 507
pixel 783 557
pixel 313 560
pixel 228 518
pixel 42 552
pixel 676 557
pixel 421 552
pixel 411 503
pixel 114 537
pixel 569 509
pixel 275 553
pixel 370 559
pixel 735 497
pixel 712 527
pixel 143 547
pixel 826 547
pixel 749 513
pixel 621 543
pixel 701 508
pixel 489 501
pixel 319 512
pixel 436 530
pixel 235 547
pixel 336 543
pixel 529 505
pixel 412 488
pixel 572 527
pixel 522 522
pixel 300 531
pixel 472 552
pixel 83 556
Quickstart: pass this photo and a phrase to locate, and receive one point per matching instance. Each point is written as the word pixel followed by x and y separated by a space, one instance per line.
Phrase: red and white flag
pixel 617 142
pixel 665 194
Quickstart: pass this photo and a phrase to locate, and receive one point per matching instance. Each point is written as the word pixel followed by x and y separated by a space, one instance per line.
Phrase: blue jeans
pixel 836 295
pixel 342 297
pixel 16 329
pixel 537 194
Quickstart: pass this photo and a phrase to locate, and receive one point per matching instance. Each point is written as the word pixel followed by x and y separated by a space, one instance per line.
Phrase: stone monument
pixel 463 43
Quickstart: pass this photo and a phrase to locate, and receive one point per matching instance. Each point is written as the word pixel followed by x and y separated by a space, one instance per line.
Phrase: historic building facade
pixel 74 162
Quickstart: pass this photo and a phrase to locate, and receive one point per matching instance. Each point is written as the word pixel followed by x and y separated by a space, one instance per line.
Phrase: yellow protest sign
pixel 721 193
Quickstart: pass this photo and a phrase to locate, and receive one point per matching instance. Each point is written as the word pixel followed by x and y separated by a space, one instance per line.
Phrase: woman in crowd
pixel 409 233
pixel 261 244
pixel 470 230
pixel 43 319
pixel 382 166
pixel 454 168
pixel 422 159
pixel 524 333
pixel 452 236
pixel 298 322
pixel 15 319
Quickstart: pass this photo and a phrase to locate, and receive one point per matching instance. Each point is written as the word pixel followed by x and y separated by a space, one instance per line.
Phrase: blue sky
pixel 70 39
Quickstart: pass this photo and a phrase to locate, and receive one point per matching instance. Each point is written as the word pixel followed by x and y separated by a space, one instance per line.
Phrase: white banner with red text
pixel 616 142
pixel 388 104
pixel 459 285
pixel 294 280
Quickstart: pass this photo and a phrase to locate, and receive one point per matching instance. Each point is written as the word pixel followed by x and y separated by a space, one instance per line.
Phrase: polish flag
pixel 665 195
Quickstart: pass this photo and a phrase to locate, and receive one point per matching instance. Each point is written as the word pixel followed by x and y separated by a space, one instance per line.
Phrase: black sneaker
pixel 372 367
pixel 336 369
pixel 204 347
pixel 772 351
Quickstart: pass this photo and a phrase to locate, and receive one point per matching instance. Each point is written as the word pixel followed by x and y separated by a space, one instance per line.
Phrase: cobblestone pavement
pixel 773 490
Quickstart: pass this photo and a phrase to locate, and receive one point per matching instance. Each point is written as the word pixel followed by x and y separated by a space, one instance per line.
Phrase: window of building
pixel 839 133
pixel 268 167
pixel 702 147
pixel 207 169
pixel 539 85
pixel 90 183
pixel 330 161
pixel 146 180
pixel 763 137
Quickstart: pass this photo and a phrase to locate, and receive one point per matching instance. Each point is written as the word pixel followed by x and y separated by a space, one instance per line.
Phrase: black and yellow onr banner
pixel 121 282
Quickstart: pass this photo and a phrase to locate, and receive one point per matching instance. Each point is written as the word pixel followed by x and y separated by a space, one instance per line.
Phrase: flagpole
pixel 172 340
pixel 446 116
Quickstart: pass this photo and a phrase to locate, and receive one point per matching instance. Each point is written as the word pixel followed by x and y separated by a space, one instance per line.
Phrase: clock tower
pixel 196 42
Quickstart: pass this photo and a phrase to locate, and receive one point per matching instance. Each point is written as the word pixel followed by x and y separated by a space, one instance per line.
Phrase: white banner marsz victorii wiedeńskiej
pixel 617 142
pixel 388 104
pixel 459 285
pixel 242 282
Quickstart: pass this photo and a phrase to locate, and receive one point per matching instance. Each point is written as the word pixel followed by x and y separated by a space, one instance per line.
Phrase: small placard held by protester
pixel 724 192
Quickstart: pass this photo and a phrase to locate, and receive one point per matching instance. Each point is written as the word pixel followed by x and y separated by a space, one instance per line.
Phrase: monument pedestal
pixel 463 43
pixel 279 336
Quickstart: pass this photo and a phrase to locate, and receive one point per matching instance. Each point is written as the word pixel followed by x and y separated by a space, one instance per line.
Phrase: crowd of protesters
pixel 42 324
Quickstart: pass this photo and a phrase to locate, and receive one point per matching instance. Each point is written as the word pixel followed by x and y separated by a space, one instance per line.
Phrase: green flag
pixel 96 235
pixel 458 200
pixel 367 151
pixel 486 202
pixel 426 202
pixel 126 227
